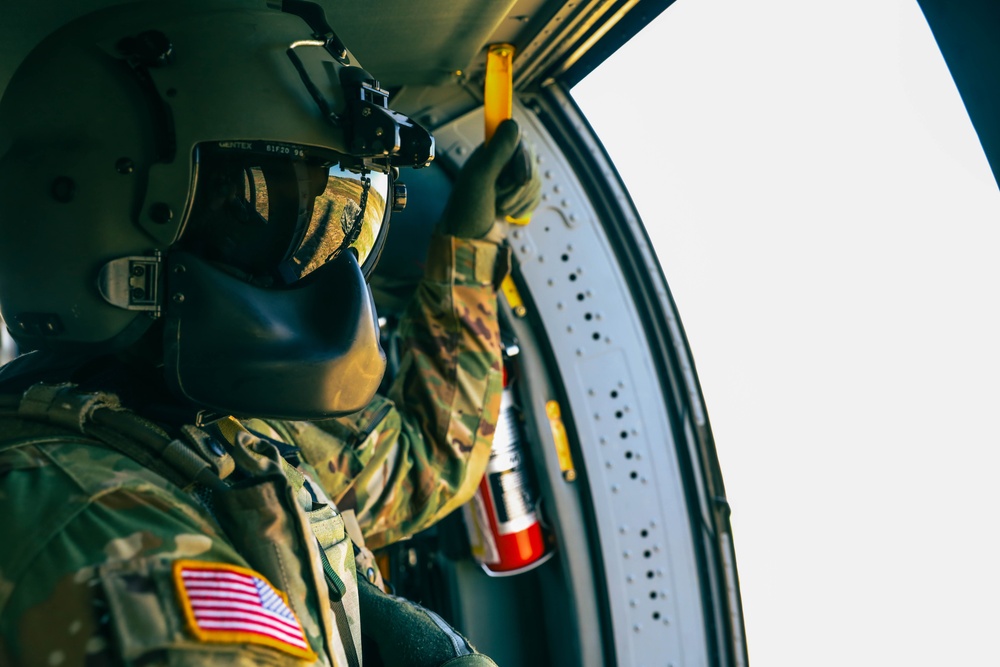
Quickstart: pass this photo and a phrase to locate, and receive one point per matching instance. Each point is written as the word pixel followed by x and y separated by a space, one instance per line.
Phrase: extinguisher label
pixel 482 543
pixel 512 500
pixel 503 460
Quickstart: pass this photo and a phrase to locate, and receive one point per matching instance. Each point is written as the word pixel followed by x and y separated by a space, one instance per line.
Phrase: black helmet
pixel 220 165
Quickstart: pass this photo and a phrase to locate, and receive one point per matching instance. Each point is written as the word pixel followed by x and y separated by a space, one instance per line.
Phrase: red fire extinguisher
pixel 504 531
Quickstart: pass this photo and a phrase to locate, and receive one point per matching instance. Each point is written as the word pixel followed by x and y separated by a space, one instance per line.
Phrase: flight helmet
pixel 221 167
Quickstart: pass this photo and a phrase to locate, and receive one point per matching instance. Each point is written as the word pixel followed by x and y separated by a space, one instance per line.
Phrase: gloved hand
pixel 401 633
pixel 487 188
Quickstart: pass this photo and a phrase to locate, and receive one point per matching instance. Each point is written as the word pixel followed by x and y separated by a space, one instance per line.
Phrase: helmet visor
pixel 277 212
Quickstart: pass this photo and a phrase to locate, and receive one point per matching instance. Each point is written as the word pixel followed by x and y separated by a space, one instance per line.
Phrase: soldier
pixel 223 171
pixel 403 469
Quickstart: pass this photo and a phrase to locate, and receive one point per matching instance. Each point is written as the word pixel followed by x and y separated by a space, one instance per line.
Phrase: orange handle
pixel 498 95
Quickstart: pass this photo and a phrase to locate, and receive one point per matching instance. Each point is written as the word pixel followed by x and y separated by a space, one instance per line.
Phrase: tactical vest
pixel 275 517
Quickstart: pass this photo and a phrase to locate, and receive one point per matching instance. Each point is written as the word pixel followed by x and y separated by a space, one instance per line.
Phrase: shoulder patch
pixel 225 603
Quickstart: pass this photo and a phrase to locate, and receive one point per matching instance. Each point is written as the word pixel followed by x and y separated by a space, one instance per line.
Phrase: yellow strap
pixel 513 296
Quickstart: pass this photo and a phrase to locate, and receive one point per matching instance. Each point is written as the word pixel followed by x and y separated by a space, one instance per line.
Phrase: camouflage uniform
pixel 403 469
pixel 102 533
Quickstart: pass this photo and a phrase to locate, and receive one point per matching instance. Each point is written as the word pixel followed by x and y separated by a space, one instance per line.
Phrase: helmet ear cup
pixel 71 182
pixel 238 349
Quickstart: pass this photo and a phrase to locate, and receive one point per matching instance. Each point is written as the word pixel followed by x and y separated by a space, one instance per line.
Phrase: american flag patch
pixel 232 604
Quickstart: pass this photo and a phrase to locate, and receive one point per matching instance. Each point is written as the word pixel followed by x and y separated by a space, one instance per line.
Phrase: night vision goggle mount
pixel 373 130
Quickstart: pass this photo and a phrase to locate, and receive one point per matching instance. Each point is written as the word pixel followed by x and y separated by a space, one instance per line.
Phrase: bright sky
pixel 830 230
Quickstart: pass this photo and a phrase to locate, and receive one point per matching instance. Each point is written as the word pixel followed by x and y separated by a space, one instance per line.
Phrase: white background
pixel 830 230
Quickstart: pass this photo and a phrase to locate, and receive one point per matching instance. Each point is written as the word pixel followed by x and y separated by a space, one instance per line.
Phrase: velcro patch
pixel 230 604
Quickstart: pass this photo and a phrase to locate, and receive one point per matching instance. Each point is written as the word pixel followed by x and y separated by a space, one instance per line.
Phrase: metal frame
pixel 582 311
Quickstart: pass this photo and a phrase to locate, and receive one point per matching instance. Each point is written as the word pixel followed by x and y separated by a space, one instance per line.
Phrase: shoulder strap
pixel 100 416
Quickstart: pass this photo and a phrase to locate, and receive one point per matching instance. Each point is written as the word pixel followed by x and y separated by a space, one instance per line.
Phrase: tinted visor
pixel 277 212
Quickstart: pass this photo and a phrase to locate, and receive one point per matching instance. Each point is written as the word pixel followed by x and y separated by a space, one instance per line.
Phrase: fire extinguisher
pixel 505 534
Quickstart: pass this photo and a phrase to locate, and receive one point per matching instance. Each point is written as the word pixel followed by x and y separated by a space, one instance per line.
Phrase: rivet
pixel 138 271
pixel 124 165
pixel 178 298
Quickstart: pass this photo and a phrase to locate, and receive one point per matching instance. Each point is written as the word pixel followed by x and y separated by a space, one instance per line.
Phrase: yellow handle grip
pixel 498 96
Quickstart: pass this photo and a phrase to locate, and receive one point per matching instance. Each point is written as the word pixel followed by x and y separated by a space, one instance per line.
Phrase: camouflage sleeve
pixel 84 573
pixel 409 459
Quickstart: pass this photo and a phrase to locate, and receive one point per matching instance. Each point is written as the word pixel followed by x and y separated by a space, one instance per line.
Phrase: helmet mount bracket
pixel 373 129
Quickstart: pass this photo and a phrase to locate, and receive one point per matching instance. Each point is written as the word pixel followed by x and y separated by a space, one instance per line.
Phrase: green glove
pixel 404 634
pixel 498 179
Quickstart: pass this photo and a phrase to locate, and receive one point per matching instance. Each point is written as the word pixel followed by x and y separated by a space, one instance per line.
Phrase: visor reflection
pixel 349 213
pixel 278 215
